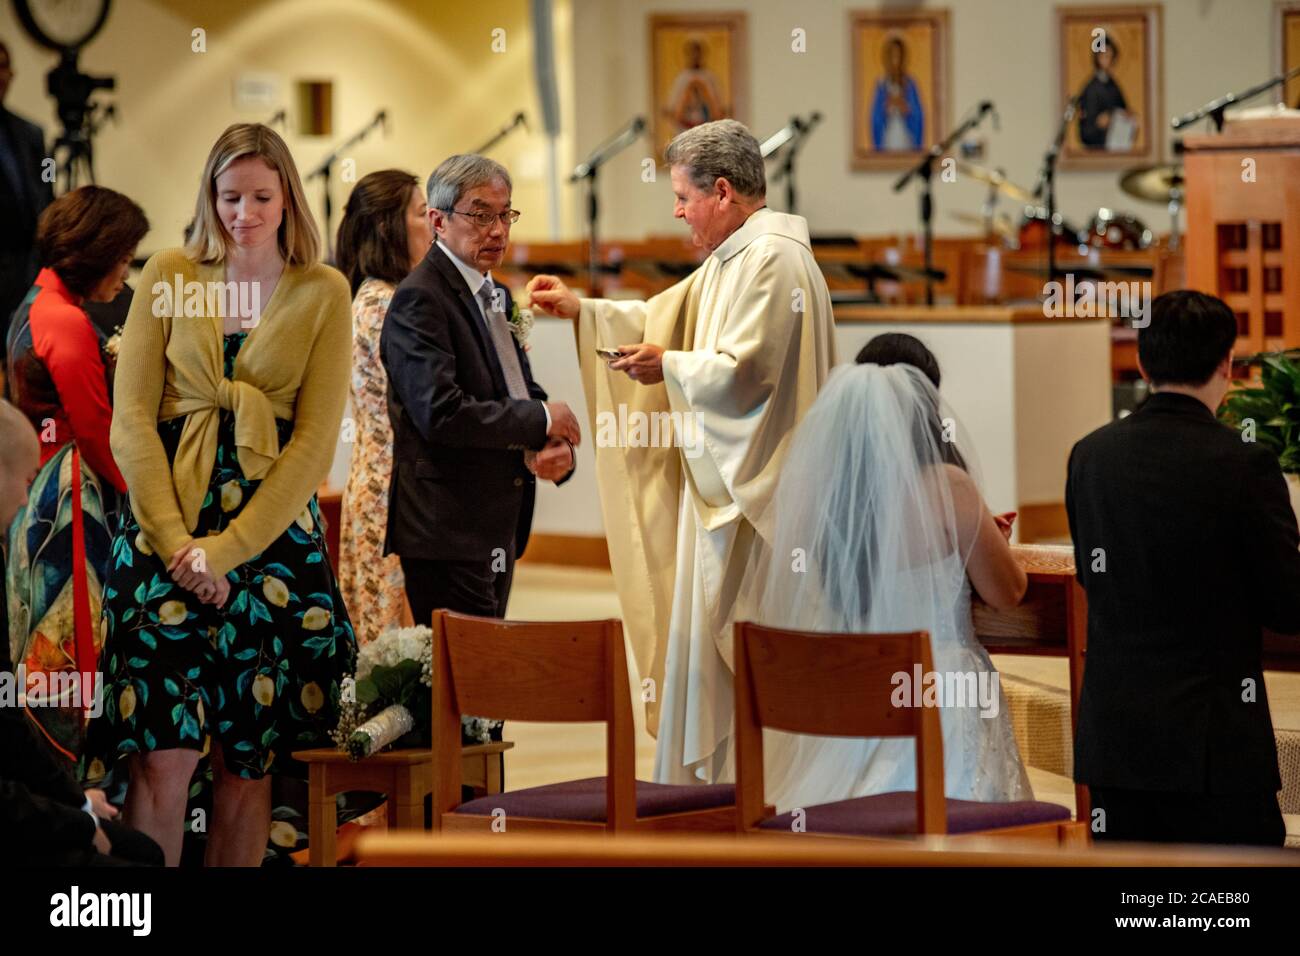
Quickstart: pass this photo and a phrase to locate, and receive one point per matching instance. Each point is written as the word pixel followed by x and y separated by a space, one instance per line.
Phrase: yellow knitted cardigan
pixel 294 365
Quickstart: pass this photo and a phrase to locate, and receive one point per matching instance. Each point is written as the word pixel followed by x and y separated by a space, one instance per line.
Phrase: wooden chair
pixel 566 671
pixel 841 685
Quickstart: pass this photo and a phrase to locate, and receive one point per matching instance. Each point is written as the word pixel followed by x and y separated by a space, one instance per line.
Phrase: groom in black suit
pixel 472 431
pixel 1186 543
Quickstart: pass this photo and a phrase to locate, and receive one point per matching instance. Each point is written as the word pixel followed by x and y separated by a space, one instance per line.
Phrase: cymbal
pixel 1152 183
pixel 996 179
pixel 999 225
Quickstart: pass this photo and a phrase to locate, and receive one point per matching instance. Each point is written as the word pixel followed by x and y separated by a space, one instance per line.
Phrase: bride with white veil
pixel 880 527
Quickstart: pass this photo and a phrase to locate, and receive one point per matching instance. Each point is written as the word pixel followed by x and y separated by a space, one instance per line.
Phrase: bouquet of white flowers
pixel 391 703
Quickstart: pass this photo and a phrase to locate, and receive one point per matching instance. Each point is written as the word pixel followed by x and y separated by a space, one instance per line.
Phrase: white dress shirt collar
pixel 473 278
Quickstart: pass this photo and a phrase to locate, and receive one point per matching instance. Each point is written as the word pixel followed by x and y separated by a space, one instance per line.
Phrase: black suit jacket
pixel 23 201
pixel 459 488
pixel 21 204
pixel 1186 544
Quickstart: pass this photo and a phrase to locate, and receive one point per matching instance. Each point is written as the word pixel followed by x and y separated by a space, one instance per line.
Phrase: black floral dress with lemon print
pixel 262 675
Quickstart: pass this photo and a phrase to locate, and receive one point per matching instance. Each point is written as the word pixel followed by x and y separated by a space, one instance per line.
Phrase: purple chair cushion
pixel 584 800
pixel 893 814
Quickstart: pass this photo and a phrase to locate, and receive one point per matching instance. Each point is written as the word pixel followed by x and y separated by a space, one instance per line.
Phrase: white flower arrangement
pixel 395 645
pixel 393 678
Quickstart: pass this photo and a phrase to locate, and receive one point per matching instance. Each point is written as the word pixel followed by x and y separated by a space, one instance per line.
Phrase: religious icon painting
pixel 1110 65
pixel 901 81
pixel 698 72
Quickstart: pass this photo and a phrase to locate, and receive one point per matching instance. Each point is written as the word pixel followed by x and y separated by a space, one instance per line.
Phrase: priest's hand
pixel 643 363
pixel 552 296
pixel 553 462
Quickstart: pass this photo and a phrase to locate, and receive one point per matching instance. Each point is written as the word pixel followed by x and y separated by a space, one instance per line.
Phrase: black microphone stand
pixel 503 132
pixel 1214 109
pixel 1047 181
pixel 587 171
pixel 325 169
pixel 790 138
pixel 925 170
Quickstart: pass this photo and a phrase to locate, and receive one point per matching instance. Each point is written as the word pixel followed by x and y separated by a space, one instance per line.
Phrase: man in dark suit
pixel 472 431
pixel 1186 543
pixel 23 194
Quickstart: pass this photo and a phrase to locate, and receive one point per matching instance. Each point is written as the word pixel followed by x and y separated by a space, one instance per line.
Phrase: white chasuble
pixel 688 467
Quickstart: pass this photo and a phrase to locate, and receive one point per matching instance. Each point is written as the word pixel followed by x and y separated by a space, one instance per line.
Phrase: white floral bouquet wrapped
pixel 392 700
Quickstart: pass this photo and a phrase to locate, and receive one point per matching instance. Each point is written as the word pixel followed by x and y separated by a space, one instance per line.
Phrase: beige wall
pixel 430 63
pixel 1003 50
pixel 1020 405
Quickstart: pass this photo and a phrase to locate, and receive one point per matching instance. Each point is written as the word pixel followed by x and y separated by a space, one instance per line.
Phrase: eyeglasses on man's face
pixel 484 220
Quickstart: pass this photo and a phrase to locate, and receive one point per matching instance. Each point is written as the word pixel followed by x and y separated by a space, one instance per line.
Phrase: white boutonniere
pixel 521 323
pixel 113 342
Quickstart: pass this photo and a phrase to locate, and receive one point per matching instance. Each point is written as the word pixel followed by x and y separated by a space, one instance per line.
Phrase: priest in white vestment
pixel 730 359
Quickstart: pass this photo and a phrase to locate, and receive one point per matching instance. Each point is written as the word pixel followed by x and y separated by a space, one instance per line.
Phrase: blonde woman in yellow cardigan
pixel 226 635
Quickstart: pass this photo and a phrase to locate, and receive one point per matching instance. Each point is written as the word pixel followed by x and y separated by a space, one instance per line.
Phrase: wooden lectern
pixel 1243 226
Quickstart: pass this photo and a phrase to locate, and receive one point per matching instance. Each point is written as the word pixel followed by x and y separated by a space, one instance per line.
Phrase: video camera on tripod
pixel 72 91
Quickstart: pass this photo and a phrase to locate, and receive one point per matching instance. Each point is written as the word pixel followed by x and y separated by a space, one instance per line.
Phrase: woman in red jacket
pixel 59 371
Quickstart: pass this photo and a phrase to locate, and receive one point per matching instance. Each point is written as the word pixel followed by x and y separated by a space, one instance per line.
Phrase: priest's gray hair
pixel 722 149
pixel 457 174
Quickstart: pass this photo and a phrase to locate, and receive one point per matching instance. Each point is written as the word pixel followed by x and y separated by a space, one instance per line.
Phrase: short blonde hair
pixel 299 238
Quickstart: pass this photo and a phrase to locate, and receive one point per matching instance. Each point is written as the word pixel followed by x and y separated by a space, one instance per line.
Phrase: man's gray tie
pixel 503 341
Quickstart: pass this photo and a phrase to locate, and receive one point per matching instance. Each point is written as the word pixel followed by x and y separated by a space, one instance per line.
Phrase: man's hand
pixel 553 462
pixel 643 363
pixel 564 424
pixel 99 804
pixel 102 843
pixel 1004 523
pixel 552 296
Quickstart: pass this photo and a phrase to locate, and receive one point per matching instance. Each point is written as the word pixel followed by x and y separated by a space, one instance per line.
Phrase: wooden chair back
pixel 554 671
pixel 841 685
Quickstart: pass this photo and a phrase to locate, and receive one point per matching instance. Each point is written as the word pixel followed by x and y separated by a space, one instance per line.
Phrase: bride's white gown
pixel 980 758
pixel 867 506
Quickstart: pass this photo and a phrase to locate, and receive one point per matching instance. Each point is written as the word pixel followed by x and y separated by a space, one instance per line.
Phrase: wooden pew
pixel 672 850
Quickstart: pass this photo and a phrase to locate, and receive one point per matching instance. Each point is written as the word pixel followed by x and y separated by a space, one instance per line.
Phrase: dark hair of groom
pixel 1188 337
